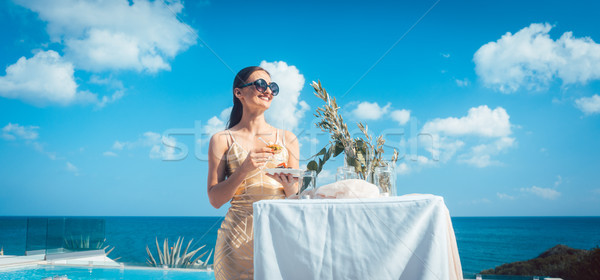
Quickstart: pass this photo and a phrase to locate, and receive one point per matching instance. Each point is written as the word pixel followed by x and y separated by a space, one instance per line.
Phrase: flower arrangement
pixel 360 153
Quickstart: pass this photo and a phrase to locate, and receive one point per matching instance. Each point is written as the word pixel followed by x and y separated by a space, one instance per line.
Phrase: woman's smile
pixel 265 97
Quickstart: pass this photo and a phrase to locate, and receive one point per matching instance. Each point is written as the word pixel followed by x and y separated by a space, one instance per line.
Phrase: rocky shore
pixel 559 261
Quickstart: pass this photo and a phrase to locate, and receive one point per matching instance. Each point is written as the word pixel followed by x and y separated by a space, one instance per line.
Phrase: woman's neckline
pixel 277 137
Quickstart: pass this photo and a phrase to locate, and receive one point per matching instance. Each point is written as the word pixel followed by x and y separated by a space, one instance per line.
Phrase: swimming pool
pixel 86 273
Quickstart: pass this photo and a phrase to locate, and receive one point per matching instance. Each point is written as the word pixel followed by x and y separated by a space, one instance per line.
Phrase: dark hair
pixel 238 81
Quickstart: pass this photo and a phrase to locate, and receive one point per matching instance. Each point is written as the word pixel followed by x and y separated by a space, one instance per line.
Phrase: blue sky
pixel 504 95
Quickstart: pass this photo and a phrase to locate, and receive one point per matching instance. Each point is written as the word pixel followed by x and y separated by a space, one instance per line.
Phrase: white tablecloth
pixel 407 237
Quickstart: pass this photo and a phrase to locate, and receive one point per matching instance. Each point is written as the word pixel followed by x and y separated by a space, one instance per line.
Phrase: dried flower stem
pixel 360 153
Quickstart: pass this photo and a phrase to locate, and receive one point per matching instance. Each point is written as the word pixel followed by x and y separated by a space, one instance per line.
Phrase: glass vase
pixel 385 180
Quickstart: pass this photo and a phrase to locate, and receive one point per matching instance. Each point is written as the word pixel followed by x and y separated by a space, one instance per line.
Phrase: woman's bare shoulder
pixel 220 140
pixel 290 137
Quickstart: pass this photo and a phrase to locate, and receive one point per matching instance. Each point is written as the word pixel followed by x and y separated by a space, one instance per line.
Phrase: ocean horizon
pixel 483 242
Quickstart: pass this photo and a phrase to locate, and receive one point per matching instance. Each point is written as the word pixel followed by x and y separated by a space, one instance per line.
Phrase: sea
pixel 483 242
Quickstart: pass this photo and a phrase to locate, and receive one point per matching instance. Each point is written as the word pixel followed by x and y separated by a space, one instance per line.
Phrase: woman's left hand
pixel 287 180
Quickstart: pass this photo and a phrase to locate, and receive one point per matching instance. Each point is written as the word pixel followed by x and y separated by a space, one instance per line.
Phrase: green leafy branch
pixel 360 153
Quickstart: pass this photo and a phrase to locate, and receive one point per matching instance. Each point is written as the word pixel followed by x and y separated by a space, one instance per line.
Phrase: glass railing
pixel 37 229
pixel 84 241
pixel 64 235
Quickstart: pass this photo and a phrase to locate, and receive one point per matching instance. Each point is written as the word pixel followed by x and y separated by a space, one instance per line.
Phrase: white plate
pixel 294 172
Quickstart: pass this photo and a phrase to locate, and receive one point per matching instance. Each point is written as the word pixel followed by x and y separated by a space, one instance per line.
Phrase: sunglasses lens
pixel 274 89
pixel 260 85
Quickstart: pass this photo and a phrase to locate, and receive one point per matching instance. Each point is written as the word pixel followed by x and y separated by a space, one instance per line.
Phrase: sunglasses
pixel 261 85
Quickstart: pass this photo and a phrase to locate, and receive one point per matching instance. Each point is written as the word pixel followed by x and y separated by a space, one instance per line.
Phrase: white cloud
pixel 403 168
pixel 216 124
pixel 480 155
pixel 114 35
pixel 43 79
pixel 165 149
pixel 47 79
pixel 530 59
pixel 310 140
pixel 558 181
pixel 119 145
pixel 505 196
pixel 97 36
pixel 16 131
pixel 212 126
pixel 491 129
pixel 446 55
pixel 481 201
pixel 72 168
pixel 442 148
pixel 421 160
pixel 365 111
pixel 370 111
pixel 312 143
pixel 589 105
pixel 463 83
pixel 545 193
pixel 40 148
pixel 480 121
pixel 414 163
pixel 479 160
pixel 161 146
pixel 106 99
pixel 29 134
pixel 109 81
pixel 400 116
pixel 286 110
pixel 110 154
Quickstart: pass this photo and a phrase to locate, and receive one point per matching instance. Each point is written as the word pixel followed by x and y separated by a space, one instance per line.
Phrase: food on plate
pixel 283 169
pixel 276 149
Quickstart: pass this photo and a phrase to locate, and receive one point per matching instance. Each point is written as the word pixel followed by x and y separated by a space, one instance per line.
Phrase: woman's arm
pixel 221 190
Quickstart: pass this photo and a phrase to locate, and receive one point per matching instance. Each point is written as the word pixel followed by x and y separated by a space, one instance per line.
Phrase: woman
pixel 237 157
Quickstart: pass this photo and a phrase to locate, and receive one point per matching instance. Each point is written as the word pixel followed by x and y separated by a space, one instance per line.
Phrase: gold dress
pixel 234 251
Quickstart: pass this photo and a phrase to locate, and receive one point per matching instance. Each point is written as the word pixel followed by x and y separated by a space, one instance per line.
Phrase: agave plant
pixel 174 257
pixel 84 243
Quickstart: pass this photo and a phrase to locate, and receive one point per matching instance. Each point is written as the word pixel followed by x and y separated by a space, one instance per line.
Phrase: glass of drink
pixel 345 173
pixel 307 181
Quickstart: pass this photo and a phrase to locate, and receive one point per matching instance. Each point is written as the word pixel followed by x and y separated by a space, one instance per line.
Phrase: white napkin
pixel 351 188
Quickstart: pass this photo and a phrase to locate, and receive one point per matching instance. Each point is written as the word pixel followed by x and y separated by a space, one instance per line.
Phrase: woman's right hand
pixel 256 159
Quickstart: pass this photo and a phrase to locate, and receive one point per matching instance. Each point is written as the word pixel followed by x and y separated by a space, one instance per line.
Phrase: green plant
pixel 174 257
pixel 85 243
pixel 81 242
pixel 359 152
